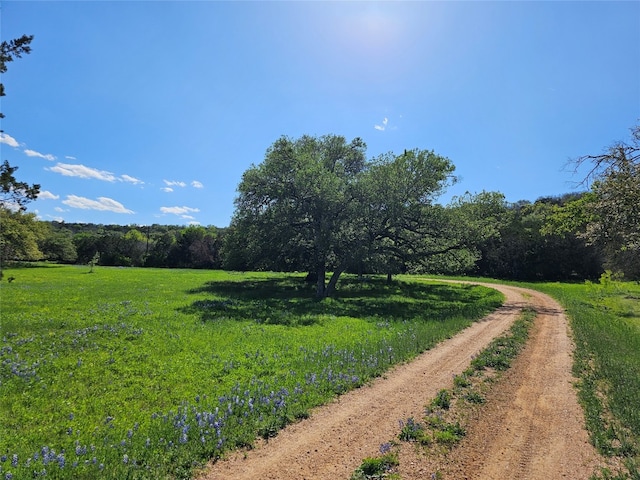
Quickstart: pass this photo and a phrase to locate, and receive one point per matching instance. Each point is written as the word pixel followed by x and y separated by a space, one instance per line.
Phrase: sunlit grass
pixel 145 373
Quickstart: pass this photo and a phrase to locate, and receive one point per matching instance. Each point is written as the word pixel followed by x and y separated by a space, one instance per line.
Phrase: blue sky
pixel 149 112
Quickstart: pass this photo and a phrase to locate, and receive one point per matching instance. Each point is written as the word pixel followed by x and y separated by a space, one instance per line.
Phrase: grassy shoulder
pixel 148 373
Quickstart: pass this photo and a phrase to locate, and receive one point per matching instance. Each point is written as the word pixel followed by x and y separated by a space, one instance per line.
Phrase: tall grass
pixel 142 373
pixel 605 320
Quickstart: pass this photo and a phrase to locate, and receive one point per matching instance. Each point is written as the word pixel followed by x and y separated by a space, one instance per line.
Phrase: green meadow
pixel 148 373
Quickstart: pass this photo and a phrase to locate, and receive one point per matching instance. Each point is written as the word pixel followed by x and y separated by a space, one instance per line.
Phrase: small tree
pixel 94 261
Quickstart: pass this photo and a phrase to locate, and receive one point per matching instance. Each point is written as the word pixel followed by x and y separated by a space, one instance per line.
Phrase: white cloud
pixel 179 210
pixel 59 209
pixel 167 189
pixel 197 184
pixel 9 205
pixel 174 183
pixel 102 204
pixel 33 153
pixel 8 140
pixel 47 195
pixel 69 170
pixel 69 157
pixel 127 178
pixel 383 126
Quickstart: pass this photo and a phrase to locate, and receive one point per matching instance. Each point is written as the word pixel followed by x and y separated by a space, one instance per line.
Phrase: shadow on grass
pixel 20 265
pixel 290 301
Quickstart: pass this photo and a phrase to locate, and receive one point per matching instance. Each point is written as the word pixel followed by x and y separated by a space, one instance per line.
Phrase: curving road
pixel 531 429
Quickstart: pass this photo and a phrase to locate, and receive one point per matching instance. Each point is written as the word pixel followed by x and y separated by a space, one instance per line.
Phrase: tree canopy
pixel 296 208
pixel 19 232
pixel 8 51
pixel 609 216
pixel 14 195
pixel 317 204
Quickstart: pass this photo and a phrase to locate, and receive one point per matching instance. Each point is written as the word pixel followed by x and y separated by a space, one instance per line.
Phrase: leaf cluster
pixel 12 49
pixel 14 195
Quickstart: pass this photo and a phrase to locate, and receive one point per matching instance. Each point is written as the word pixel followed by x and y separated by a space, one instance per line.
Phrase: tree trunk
pixel 320 288
pixel 389 278
pixel 333 281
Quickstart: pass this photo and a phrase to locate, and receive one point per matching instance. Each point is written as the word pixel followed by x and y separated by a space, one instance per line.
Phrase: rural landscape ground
pixel 151 373
pixel 532 427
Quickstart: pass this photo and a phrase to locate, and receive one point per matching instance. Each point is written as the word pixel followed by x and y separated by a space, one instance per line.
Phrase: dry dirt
pixel 531 427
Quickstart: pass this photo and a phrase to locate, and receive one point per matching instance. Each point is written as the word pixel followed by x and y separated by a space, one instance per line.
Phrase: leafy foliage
pixel 297 206
pixel 377 468
pixel 612 216
pixel 19 236
pixel 12 49
pixel 15 195
pixel 442 400
pixel 531 244
pixel 315 204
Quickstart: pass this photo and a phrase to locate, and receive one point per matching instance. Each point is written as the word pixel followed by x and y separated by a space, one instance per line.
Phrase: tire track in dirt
pixel 332 442
pixel 532 426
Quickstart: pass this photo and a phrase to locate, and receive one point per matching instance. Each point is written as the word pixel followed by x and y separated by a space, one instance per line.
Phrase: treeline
pixel 318 205
pixel 524 247
pixel 132 246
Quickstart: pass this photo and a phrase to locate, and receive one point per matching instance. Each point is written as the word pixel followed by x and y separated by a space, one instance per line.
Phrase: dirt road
pixel 532 427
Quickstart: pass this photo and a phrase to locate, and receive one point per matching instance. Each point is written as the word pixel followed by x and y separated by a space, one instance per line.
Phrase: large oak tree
pixel 318 204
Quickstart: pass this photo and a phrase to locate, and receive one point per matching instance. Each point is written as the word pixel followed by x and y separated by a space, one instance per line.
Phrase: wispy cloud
pixel 167 189
pixel 8 140
pixel 47 195
pixel 382 127
pixel 130 179
pixel 33 153
pixel 69 157
pixel 171 183
pixel 183 211
pixel 70 170
pixel 60 209
pixel 197 184
pixel 102 204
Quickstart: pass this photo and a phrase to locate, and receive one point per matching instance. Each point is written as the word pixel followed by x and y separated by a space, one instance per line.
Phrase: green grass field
pixel 147 373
